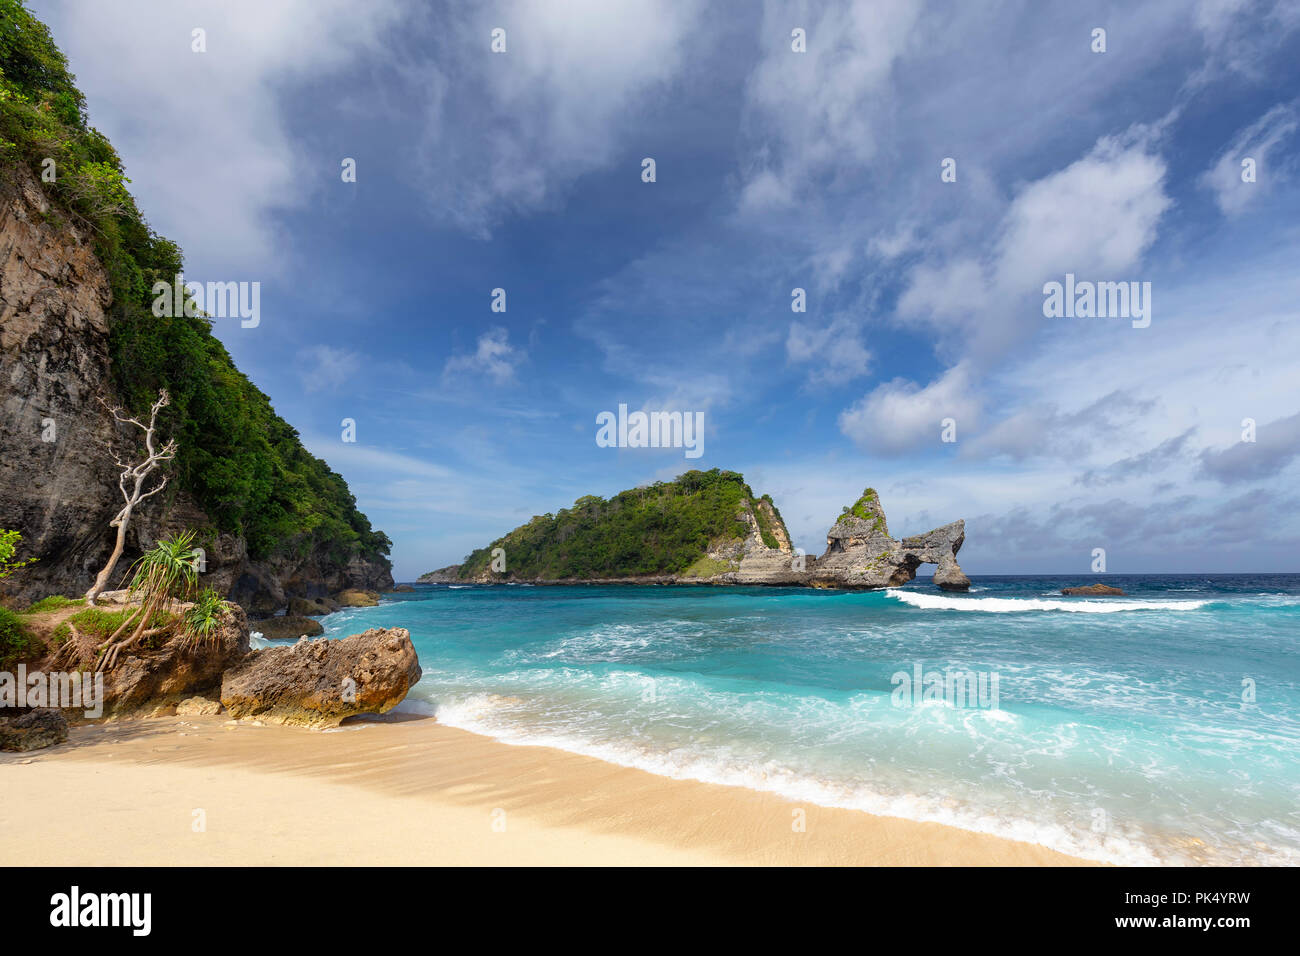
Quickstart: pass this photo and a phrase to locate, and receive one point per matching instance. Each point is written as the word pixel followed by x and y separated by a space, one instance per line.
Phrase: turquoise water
pixel 1123 728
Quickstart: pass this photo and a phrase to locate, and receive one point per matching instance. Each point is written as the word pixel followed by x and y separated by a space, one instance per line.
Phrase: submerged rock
pixel 34 730
pixel 1095 590
pixel 319 683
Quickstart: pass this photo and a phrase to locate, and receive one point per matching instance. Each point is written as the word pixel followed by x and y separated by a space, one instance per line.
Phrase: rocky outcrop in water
pixel 288 626
pixel 1093 590
pixel 321 682
pixel 861 553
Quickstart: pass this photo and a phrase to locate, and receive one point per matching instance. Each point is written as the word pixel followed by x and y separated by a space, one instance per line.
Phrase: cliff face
pixel 58 481
pixel 860 553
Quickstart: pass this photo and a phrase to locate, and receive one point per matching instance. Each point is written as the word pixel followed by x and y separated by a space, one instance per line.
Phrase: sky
pixel 920 170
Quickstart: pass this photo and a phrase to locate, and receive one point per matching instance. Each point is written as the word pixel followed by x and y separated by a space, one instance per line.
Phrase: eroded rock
pixel 150 677
pixel 320 682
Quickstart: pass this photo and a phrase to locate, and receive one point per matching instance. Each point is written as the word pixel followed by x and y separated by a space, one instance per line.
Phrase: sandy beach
pixel 405 790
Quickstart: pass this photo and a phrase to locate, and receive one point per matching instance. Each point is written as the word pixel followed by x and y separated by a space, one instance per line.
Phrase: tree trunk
pixel 101 579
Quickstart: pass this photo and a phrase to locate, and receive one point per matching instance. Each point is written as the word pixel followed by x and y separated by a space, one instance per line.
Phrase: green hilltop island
pixel 706 527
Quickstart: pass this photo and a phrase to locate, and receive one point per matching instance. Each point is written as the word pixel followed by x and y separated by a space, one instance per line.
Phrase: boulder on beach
pixel 280 628
pixel 34 730
pixel 1093 590
pixel 198 707
pixel 147 677
pixel 319 683
pixel 355 598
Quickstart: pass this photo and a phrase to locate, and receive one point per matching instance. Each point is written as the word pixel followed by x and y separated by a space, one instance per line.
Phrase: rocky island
pixel 707 527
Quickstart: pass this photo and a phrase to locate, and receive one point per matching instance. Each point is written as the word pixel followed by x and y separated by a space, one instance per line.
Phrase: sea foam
pixel 995 605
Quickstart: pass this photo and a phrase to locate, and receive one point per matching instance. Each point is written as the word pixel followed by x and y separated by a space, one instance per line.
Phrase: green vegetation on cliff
pixel 663 528
pixel 243 464
pixel 868 508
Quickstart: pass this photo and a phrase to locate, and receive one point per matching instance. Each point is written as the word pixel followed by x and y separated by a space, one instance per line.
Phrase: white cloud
pixel 328 368
pixel 900 415
pixel 206 145
pixel 1258 141
pixel 563 100
pixel 812 103
pixel 836 350
pixel 493 357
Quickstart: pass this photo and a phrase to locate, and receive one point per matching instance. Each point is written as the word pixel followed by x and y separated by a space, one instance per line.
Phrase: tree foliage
pixel 9 542
pixel 659 529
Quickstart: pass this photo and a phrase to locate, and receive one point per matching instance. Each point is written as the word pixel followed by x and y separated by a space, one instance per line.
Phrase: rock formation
pixel 152 679
pixel 288 626
pixel 860 553
pixel 357 598
pixel 1094 590
pixel 448 575
pixel 320 682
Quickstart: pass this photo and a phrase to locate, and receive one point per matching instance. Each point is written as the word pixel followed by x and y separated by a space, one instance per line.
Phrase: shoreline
pixel 405 790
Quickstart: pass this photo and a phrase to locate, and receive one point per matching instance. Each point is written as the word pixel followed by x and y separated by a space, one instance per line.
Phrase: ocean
pixel 1158 728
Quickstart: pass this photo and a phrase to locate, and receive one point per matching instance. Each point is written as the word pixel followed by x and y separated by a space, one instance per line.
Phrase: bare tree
pixel 132 482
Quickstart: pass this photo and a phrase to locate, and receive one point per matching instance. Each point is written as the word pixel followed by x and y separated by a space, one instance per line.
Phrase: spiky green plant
pixel 204 618
pixel 164 573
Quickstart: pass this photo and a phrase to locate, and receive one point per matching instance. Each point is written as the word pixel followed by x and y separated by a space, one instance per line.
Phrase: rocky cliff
pixel 58 481
pixel 860 553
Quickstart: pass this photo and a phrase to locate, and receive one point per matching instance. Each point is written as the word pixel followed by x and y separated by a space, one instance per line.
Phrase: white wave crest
pixel 1018 605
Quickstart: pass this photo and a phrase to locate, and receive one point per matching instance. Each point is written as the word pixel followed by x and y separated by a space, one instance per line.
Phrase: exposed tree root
pixel 75 652
pixel 111 650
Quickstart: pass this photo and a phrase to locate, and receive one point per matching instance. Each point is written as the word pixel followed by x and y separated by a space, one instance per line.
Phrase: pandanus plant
pixel 163 574
pixel 203 620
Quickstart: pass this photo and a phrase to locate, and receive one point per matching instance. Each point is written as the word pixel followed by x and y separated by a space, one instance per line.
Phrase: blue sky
pixel 775 170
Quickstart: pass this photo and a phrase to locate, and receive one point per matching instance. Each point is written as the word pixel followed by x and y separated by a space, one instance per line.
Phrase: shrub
pixel 16 642
pixel 9 541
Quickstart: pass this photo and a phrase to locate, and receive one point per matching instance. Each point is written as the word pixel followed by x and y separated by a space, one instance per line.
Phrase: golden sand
pixel 406 790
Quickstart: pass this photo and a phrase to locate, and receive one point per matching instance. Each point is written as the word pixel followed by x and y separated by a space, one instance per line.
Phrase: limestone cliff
pixel 58 482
